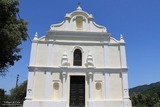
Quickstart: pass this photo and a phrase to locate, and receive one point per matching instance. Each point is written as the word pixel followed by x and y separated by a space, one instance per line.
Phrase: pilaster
pixel 106 57
pixel 123 56
pixel 33 53
pixel 125 85
pixel 107 86
pixel 48 85
pixel 124 65
pixel 64 86
pixel 48 73
pixel 107 75
pixel 30 85
pixel 90 74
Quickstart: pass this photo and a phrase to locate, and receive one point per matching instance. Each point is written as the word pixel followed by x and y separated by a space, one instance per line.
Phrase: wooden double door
pixel 77 91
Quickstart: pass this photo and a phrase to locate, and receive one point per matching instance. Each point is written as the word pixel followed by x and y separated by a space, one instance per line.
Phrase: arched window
pixel 77 61
pixel 79 24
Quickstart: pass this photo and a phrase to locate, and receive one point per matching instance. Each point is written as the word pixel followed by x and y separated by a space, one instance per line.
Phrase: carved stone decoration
pixel 56 86
pixel 36 36
pixel 98 85
pixel 121 39
pixel 64 61
pixel 90 60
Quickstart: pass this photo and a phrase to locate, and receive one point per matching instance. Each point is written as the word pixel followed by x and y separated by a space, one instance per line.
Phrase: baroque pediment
pixel 78 20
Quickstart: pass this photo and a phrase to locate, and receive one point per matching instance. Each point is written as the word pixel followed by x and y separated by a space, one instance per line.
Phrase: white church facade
pixel 77 64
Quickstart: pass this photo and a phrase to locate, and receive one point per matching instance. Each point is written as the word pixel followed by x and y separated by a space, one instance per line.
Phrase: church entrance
pixel 77 91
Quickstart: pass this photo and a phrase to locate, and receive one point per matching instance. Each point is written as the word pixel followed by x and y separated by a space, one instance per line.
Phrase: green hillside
pixel 146 95
pixel 146 89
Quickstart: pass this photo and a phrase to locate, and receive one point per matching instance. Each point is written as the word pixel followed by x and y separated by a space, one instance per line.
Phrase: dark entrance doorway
pixel 77 91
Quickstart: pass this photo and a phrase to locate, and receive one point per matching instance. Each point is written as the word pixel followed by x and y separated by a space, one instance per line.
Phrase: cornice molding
pixel 81 43
pixel 76 69
pixel 77 34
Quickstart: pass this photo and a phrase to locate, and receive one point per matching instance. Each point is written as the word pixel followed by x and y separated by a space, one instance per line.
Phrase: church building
pixel 77 64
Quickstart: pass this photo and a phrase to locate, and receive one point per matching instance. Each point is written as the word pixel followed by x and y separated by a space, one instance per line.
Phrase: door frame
pixel 84 77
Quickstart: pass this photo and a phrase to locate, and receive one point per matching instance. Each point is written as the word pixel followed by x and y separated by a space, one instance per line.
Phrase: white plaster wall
pixel 98 94
pixel 96 51
pixel 42 54
pixel 97 54
pixel 39 86
pixel 86 26
pixel 56 76
pixel 70 26
pixel 114 57
pixel 58 52
pixel 56 93
pixel 116 85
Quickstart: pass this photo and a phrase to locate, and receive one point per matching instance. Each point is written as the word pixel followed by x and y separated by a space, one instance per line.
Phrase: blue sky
pixel 137 20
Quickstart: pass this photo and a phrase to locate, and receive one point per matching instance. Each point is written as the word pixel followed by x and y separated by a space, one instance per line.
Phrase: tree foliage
pixel 140 100
pixel 19 93
pixel 15 98
pixel 2 96
pixel 12 32
pixel 146 95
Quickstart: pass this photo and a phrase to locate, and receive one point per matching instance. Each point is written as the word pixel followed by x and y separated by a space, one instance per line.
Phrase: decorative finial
pixel 65 59
pixel 121 38
pixel 90 60
pixel 79 7
pixel 36 36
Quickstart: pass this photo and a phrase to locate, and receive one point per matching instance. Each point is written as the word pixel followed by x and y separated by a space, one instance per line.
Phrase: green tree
pixel 141 99
pixel 12 32
pixel 19 93
pixel 2 95
pixel 134 99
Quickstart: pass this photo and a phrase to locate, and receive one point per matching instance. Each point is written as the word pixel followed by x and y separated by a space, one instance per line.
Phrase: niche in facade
pixel 79 22
pixel 98 86
pixel 56 86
